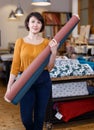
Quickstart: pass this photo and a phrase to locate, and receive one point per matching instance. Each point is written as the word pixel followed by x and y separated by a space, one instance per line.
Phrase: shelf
pixel 54 21
pixel 68 78
pixel 71 98
pixel 71 79
pixel 52 100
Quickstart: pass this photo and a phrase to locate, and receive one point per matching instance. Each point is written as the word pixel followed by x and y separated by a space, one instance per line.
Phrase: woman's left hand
pixel 53 45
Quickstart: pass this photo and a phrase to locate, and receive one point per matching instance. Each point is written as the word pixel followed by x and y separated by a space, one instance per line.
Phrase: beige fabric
pixel 84 35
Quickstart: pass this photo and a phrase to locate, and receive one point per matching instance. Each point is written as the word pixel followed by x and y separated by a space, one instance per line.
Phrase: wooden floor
pixel 10 117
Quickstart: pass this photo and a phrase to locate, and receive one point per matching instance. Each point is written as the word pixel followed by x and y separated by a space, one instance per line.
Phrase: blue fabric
pixel 84 61
pixel 90 89
pixel 37 97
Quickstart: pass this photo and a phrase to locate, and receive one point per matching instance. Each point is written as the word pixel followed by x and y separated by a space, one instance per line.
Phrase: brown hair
pixel 38 16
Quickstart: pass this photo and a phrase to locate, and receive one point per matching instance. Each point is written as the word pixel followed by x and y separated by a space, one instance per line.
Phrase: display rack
pixel 50 114
pixel 54 21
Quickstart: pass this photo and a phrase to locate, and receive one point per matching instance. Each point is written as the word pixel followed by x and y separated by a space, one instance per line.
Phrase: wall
pixel 11 30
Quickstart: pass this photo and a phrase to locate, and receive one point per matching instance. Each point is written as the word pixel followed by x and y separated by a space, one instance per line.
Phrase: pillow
pixel 72 109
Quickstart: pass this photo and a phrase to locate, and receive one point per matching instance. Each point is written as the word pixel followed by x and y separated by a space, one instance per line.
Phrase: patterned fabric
pixel 70 67
pixel 69 89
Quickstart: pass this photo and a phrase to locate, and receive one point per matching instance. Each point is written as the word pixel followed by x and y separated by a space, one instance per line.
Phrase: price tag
pixel 58 115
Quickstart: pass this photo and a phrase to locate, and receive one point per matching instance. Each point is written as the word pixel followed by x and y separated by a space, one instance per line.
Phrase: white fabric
pixel 6 57
pixel 69 89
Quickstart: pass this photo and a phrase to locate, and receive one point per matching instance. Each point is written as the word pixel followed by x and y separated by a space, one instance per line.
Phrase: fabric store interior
pixel 73 73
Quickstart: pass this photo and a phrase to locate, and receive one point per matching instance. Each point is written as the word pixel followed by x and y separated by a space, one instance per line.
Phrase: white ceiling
pixel 57 5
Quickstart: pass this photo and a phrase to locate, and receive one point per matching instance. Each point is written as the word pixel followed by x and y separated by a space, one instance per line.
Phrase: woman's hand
pixel 10 82
pixel 53 46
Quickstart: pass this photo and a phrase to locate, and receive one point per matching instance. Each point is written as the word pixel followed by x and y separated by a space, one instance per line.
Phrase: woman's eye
pixel 39 22
pixel 32 21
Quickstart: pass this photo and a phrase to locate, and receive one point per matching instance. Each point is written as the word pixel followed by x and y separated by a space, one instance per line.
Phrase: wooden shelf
pixel 54 21
pixel 72 79
pixel 71 98
pixel 67 78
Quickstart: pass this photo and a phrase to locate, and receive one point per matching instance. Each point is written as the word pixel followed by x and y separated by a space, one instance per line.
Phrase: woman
pixel 33 104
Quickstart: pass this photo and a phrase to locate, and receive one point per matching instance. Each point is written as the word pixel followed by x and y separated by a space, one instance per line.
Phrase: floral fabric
pixel 70 67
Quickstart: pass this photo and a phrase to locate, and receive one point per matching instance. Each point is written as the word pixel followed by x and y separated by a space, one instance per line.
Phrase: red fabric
pixel 75 108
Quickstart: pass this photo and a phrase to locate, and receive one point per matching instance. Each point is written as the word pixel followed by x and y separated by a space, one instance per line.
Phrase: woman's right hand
pixel 8 89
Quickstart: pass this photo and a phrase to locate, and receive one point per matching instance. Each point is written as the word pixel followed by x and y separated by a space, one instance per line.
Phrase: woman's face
pixel 34 25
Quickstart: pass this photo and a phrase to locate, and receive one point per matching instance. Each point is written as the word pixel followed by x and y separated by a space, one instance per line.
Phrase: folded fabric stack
pixel 69 89
pixel 70 67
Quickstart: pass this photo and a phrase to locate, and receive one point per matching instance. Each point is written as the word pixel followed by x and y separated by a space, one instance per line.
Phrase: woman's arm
pixel 15 64
pixel 53 45
pixel 11 81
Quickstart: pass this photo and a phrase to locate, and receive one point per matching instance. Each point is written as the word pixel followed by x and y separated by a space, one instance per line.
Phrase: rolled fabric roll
pixel 29 76
pixel 29 83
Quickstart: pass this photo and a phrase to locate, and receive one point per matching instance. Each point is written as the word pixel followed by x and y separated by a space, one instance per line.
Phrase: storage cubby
pixel 54 21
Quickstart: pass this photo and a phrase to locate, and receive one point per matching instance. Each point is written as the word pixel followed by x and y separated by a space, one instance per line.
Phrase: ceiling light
pixel 12 15
pixel 19 10
pixel 41 2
